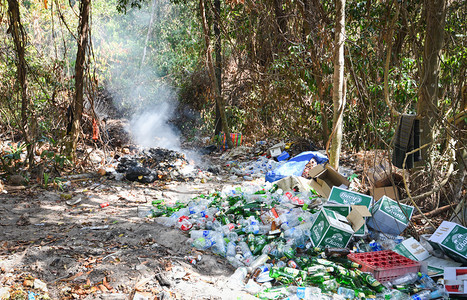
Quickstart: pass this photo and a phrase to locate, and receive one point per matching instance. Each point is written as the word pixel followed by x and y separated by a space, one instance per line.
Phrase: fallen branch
pixel 434 212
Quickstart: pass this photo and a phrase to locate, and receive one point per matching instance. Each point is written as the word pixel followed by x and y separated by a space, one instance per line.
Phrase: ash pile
pixel 154 164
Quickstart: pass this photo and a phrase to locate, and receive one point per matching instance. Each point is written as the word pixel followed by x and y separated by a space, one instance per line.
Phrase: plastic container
pixel 385 265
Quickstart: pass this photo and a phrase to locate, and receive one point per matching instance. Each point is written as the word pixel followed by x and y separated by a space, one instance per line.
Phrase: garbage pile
pixel 252 169
pixel 153 164
pixel 295 244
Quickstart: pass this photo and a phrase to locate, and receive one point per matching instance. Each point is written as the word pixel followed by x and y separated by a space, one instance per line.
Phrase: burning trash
pixel 153 164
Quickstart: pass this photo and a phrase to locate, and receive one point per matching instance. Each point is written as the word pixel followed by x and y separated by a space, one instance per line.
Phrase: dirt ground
pixel 83 251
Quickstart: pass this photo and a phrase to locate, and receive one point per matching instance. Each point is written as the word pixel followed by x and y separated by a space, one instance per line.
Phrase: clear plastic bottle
pixel 202 243
pixel 247 255
pixel 394 295
pixel 346 292
pixel 427 295
pixel 427 282
pixel 405 279
pixel 236 279
pixel 218 246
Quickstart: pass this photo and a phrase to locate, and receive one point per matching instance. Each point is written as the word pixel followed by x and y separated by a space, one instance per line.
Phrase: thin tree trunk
pixel 338 96
pixel 79 74
pixel 151 21
pixel 428 98
pixel 218 68
pixel 28 122
pixel 212 75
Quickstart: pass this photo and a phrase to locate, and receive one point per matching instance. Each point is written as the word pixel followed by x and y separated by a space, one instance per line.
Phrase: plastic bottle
pixel 202 243
pixel 247 255
pixel 236 279
pixel 219 246
pixel 405 279
pixel 427 282
pixel 346 292
pixel 427 294
pixel 394 295
pixel 260 260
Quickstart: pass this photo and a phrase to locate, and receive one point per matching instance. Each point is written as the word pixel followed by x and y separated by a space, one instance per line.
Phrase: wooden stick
pixel 435 212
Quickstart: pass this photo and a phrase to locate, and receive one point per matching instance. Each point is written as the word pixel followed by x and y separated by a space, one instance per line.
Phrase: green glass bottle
pixel 346 272
pixel 258 244
pixel 289 252
pixel 347 281
pixel 276 272
pixel 345 262
pixel 336 252
pixel 318 279
pixel 408 289
pixel 330 285
pixel 319 269
pixel 296 272
pixel 274 188
pixel 371 281
pixel 303 262
pixel 324 262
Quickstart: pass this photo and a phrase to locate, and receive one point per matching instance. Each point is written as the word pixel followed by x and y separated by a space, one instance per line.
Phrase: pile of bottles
pixel 264 233
pixel 253 169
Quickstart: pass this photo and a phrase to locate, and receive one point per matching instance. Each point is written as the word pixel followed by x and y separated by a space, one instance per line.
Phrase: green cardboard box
pixel 389 216
pixel 346 197
pixel 451 238
pixel 330 229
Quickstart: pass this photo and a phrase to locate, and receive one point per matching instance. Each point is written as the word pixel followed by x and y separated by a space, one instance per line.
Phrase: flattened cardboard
pixel 412 249
pixel 357 215
pixel 324 177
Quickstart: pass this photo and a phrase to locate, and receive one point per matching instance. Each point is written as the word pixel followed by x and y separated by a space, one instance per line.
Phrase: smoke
pixel 150 127
pixel 137 89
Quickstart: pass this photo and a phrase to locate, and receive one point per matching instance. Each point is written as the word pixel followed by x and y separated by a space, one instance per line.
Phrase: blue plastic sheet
pixel 295 166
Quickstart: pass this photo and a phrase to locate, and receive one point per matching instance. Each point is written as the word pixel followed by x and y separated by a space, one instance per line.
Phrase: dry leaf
pixel 106 284
pixel 140 284
pixel 71 278
pixel 103 288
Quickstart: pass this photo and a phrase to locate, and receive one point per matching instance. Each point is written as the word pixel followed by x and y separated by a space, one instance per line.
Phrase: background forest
pixel 147 61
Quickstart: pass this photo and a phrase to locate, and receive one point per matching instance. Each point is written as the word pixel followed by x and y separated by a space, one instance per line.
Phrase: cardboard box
pixel 387 181
pixel 455 281
pixel 379 172
pixel 389 216
pixel 389 191
pixel 330 229
pixel 357 218
pixel 431 265
pixel 412 249
pixel 276 150
pixel 343 196
pixel 324 177
pixel 451 238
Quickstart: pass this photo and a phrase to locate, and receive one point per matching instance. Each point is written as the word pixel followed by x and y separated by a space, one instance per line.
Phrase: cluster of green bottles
pixel 327 273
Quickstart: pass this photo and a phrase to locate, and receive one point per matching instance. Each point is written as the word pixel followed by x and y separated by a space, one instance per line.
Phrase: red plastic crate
pixel 385 265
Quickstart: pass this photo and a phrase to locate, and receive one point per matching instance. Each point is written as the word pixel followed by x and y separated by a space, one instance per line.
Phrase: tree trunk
pixel 79 75
pixel 212 75
pixel 148 35
pixel 428 97
pixel 338 95
pixel 218 68
pixel 28 122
